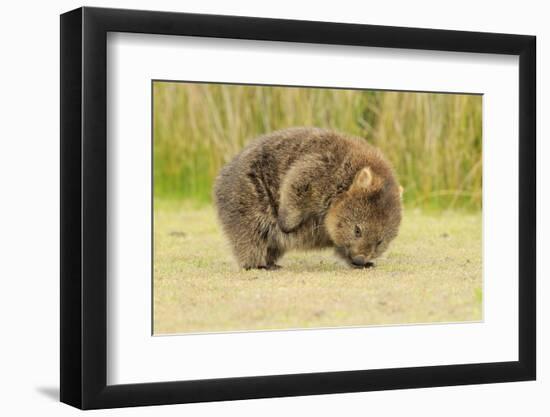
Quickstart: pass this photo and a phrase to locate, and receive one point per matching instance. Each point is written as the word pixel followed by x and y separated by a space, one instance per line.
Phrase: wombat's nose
pixel 359 260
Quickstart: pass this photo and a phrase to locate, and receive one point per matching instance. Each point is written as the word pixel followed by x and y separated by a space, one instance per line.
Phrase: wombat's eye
pixel 379 243
pixel 357 231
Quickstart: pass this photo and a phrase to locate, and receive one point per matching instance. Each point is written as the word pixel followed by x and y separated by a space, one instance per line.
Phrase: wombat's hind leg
pixel 252 255
pixel 261 257
pixel 273 253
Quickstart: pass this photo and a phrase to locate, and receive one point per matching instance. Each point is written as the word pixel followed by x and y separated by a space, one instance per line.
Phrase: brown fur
pixel 306 188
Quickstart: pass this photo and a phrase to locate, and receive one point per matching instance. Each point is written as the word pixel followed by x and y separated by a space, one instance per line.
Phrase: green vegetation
pixel 433 140
pixel 431 273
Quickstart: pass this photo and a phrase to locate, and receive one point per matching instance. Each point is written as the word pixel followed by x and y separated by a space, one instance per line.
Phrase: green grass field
pixel 431 273
pixel 433 140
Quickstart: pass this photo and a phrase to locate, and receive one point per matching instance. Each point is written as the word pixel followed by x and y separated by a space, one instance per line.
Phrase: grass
pixel 433 140
pixel 431 273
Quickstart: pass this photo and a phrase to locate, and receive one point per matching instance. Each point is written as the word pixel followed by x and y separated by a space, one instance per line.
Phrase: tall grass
pixel 433 140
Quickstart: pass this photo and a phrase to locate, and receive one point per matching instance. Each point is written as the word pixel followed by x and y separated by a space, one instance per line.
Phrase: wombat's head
pixel 362 221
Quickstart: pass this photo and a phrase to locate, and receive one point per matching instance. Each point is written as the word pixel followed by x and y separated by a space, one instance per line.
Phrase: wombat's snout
pixel 361 260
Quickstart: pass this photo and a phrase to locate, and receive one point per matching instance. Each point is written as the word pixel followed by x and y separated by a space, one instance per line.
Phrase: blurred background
pixel 434 141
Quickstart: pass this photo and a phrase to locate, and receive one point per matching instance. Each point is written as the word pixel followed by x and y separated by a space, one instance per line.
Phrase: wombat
pixel 307 188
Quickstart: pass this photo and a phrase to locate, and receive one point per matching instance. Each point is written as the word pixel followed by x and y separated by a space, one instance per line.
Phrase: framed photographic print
pixel 257 207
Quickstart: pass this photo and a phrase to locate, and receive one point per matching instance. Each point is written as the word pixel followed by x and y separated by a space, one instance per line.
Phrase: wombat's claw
pixel 366 266
pixel 271 267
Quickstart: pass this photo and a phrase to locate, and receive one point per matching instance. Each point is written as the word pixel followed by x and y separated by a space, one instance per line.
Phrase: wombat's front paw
pixel 286 222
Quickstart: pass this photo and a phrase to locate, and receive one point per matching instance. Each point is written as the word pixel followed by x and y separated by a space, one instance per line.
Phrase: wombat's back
pixel 251 180
pixel 253 177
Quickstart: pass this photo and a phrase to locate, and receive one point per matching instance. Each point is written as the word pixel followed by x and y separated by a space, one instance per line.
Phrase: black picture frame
pixel 84 207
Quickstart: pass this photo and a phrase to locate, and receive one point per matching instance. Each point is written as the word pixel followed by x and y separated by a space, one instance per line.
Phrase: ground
pixel 431 273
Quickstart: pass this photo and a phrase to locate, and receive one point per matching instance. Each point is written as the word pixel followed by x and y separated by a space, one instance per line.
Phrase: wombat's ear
pixel 366 180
